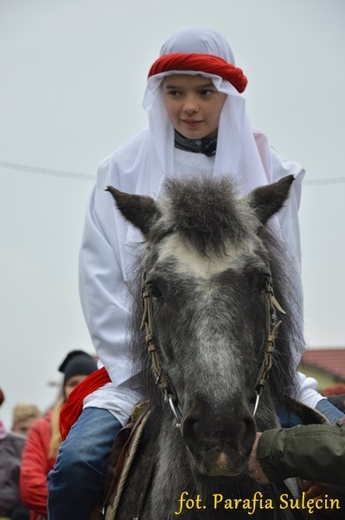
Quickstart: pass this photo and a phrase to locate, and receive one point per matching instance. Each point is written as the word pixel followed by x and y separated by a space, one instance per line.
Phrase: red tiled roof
pixel 331 360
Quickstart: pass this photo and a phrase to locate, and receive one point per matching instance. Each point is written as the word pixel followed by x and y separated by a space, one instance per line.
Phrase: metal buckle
pixel 175 411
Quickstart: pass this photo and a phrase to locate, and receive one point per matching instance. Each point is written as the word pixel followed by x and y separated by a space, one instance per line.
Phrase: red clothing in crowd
pixel 74 404
pixel 35 468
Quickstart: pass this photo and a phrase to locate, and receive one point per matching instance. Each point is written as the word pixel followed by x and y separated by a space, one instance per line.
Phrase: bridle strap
pixel 272 306
pixel 162 380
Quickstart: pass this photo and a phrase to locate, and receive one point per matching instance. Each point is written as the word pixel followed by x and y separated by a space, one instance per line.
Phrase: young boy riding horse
pixel 197 125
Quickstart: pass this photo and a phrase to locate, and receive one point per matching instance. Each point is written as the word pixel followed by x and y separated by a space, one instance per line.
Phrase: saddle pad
pixel 123 454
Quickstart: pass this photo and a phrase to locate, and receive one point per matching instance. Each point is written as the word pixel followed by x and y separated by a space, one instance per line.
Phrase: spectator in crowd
pixel 44 438
pixel 23 417
pixel 11 447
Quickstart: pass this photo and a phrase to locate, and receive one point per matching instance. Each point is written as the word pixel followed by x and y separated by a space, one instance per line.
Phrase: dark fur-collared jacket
pixel 11 447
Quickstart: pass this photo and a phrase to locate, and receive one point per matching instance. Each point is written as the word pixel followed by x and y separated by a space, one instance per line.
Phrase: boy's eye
pixel 174 93
pixel 206 92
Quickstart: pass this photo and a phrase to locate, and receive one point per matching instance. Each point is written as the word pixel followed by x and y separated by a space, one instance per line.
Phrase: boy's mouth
pixel 191 122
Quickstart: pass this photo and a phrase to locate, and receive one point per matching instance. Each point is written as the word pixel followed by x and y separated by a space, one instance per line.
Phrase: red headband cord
pixel 203 63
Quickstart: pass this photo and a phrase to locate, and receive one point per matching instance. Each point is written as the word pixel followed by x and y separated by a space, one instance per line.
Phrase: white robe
pixel 110 244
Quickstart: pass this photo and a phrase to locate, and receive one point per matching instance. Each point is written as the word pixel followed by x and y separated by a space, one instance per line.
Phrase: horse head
pixel 209 280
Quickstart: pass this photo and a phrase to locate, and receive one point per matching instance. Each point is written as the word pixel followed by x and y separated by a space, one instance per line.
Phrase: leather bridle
pixel 162 380
pixel 272 306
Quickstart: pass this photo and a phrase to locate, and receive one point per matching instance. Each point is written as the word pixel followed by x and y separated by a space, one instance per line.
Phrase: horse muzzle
pixel 219 444
pixel 230 465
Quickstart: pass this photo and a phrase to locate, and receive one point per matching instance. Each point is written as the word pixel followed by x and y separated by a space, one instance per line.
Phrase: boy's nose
pixel 190 106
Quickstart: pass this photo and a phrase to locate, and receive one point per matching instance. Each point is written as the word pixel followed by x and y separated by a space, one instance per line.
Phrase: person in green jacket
pixel 315 453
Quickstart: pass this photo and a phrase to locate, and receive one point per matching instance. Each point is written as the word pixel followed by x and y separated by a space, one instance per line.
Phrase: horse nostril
pixel 235 431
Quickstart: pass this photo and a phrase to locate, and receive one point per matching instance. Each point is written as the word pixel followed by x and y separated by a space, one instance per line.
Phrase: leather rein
pixel 271 307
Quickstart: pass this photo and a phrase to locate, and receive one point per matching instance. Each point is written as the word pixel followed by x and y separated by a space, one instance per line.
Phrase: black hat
pixel 77 363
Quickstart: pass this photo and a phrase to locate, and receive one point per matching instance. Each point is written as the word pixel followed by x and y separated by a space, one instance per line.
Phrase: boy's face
pixel 193 105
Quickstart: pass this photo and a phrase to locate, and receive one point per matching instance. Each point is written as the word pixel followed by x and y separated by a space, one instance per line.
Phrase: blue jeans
pixel 288 419
pixel 76 483
pixel 329 411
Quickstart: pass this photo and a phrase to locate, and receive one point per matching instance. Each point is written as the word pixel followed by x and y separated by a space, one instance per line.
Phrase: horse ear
pixel 268 200
pixel 141 211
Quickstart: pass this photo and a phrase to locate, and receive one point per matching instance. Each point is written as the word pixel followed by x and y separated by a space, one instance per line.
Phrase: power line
pixel 47 171
pixel 87 177
pixel 319 182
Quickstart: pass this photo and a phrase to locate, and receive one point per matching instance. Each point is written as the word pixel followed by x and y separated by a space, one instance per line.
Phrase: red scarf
pixel 207 63
pixel 73 407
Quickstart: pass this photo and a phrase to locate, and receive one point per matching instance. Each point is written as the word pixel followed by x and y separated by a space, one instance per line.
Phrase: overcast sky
pixel 72 76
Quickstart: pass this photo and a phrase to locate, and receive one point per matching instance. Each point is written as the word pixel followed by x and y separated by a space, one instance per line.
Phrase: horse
pixel 216 297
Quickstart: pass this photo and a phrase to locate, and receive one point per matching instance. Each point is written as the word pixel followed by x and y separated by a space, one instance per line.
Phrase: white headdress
pixel 245 155
pixel 237 153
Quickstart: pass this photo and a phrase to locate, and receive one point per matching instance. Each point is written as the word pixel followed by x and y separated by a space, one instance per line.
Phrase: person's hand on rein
pixel 255 469
pixel 312 490
pixel 316 490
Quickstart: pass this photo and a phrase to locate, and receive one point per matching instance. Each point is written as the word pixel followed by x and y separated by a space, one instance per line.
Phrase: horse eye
pixel 261 285
pixel 155 292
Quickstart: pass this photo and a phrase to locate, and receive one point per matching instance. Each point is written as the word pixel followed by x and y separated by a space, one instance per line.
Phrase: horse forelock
pixel 206 213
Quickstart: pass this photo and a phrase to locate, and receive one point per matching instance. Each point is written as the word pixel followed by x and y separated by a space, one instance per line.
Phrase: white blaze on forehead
pixel 189 260
pixel 215 350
